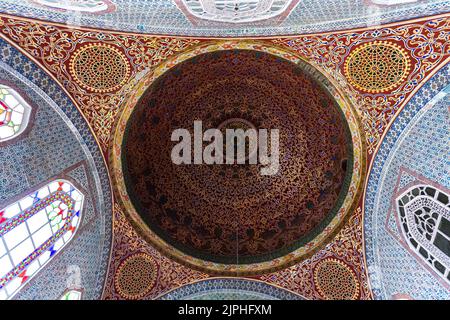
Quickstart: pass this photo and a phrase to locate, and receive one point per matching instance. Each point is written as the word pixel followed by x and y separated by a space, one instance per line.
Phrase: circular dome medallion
pixel 100 67
pixel 230 219
pixel 335 280
pixel 136 276
pixel 377 66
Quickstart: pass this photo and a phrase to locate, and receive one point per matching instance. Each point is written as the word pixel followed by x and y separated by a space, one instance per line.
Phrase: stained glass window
pixel 73 294
pixel 33 230
pixel 424 214
pixel 14 113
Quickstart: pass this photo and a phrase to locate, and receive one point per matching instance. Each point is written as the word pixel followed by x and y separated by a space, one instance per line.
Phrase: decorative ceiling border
pixel 352 23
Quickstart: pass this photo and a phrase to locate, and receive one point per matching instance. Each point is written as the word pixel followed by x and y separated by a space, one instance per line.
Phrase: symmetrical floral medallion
pixel 377 67
pixel 99 67
pixel 136 276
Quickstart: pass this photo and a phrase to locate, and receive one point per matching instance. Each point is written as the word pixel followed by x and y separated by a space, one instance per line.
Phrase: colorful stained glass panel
pixel 33 230
pixel 14 113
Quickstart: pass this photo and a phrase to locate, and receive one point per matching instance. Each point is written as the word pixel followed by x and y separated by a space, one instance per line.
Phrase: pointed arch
pixel 34 229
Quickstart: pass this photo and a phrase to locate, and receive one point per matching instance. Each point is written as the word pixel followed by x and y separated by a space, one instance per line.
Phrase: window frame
pixel 434 254
pixel 63 247
pixel 27 123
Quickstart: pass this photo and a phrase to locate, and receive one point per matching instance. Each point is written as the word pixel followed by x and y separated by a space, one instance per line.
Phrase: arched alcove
pixel 58 147
pixel 413 154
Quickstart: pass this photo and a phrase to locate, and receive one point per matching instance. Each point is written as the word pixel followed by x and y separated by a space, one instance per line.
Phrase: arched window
pixel 14 113
pixel 424 214
pixel 33 230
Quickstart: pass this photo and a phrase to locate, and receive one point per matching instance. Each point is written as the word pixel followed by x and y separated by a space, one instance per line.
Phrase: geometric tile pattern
pixel 418 142
pixel 89 6
pixel 165 17
pixel 229 289
pixel 405 179
pixel 59 141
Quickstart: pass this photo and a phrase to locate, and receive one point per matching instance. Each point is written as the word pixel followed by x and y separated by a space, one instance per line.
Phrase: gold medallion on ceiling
pixel 335 280
pixel 377 67
pixel 136 276
pixel 99 67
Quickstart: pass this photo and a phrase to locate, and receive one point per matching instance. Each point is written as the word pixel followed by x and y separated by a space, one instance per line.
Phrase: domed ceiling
pixel 343 101
pixel 231 213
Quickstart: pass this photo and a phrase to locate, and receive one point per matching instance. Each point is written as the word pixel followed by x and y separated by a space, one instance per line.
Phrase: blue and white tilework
pixel 58 141
pixel 418 140
pixel 164 17
pixel 230 289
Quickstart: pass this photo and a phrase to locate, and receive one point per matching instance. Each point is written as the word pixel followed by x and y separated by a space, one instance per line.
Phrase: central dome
pixel 231 214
